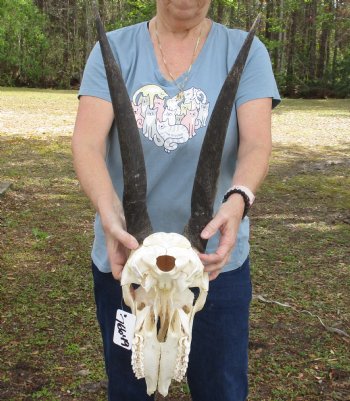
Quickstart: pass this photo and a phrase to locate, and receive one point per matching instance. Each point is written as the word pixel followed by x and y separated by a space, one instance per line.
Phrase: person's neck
pixel 180 29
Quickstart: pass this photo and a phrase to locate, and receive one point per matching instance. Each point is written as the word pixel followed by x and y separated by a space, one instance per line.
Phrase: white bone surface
pixel 164 307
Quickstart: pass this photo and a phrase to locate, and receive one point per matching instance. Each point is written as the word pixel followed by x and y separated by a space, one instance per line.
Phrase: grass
pixel 49 338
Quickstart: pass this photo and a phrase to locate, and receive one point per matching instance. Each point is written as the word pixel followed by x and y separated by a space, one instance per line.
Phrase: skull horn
pixel 208 168
pixel 134 171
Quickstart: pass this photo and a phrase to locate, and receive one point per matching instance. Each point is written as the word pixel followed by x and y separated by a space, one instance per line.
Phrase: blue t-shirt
pixel 172 127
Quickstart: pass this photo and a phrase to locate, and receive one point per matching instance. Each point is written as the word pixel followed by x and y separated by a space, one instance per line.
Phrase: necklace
pixel 180 86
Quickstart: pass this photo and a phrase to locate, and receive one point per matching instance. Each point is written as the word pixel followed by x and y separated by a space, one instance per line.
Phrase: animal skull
pixel 164 268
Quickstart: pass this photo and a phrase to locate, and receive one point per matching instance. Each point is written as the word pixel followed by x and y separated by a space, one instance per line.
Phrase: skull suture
pixel 165 267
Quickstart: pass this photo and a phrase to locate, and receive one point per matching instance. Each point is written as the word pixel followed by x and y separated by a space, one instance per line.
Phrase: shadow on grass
pixel 299 255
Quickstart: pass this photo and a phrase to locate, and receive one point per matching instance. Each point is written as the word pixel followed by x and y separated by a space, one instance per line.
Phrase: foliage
pixel 46 44
pixel 135 11
pixel 342 79
pixel 23 45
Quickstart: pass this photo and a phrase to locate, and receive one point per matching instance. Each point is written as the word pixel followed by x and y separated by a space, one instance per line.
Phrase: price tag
pixel 124 329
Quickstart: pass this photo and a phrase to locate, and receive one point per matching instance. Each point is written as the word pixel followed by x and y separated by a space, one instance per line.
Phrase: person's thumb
pixel 124 238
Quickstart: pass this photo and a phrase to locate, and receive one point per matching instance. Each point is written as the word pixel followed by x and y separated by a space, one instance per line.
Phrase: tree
pixel 46 42
pixel 23 45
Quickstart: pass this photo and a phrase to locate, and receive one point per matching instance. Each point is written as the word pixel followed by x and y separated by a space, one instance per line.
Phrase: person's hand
pixel 227 220
pixel 118 241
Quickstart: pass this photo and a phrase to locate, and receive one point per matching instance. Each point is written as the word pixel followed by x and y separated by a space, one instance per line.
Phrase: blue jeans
pixel 218 363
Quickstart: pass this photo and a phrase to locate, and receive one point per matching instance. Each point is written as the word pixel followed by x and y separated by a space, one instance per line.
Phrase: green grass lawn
pixel 49 339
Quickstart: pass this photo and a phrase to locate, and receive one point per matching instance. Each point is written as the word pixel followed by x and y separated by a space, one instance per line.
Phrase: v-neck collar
pixel 196 65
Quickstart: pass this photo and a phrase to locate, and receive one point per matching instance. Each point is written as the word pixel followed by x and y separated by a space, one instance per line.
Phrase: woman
pixel 174 67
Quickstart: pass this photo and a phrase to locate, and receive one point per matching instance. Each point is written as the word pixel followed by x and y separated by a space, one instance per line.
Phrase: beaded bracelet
pixel 244 196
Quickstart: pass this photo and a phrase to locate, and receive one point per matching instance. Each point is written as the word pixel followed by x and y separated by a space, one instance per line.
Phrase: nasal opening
pixel 165 263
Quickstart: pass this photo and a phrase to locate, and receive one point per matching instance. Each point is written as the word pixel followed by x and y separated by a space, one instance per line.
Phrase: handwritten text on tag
pixel 124 329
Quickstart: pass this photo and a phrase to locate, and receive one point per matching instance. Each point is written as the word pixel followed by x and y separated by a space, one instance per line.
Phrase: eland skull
pixel 166 266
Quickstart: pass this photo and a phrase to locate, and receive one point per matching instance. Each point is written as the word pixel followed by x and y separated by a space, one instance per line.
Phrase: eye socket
pixel 165 263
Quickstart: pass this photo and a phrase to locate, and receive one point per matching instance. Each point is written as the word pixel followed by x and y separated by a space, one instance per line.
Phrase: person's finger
pixel 213 275
pixel 117 272
pixel 215 266
pixel 213 226
pixel 117 256
pixel 223 251
pixel 124 237
pixel 212 268
pixel 210 258
pixel 226 243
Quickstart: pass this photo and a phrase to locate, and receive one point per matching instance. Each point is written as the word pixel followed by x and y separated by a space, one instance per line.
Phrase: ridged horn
pixel 208 168
pixel 134 171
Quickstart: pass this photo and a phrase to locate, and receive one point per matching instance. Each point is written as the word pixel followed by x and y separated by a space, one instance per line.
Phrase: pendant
pixel 180 96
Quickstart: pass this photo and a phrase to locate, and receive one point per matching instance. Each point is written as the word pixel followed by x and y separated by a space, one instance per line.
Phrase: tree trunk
pixel 269 14
pixel 39 4
pixel 291 53
pixel 89 35
pixel 324 41
pixel 312 40
pixel 335 45
pixel 248 10
pixel 281 39
pixel 232 17
pixel 220 12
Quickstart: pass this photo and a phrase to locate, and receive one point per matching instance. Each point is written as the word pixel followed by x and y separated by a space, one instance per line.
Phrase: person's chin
pixel 185 10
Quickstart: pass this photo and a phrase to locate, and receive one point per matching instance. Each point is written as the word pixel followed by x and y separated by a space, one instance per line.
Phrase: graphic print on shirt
pixel 169 121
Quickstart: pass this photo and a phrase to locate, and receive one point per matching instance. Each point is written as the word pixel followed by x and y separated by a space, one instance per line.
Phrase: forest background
pixel 45 43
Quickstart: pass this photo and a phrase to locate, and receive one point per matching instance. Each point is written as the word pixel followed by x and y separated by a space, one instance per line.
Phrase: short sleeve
pixel 94 82
pixel 258 80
